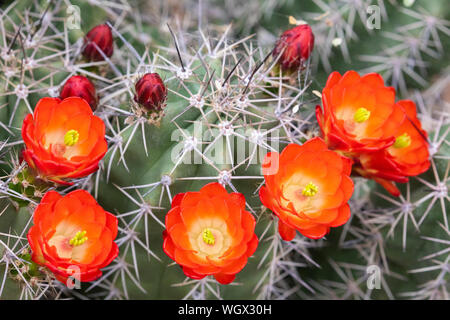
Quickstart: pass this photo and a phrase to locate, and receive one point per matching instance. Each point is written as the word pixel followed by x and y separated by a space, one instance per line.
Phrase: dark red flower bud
pixel 79 86
pixel 102 37
pixel 151 92
pixel 297 44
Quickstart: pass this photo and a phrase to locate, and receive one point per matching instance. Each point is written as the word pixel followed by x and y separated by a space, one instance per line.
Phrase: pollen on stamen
pixel 402 141
pixel 71 137
pixel 310 190
pixel 361 115
pixel 78 239
pixel 208 237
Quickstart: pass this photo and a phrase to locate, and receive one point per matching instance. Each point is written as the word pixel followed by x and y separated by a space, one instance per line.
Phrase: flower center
pixel 79 239
pixel 402 141
pixel 208 237
pixel 71 137
pixel 310 190
pixel 361 115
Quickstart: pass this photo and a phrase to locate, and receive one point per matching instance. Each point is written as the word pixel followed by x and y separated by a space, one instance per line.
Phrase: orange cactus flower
pixel 358 113
pixel 210 233
pixel 73 236
pixel 408 156
pixel 63 139
pixel 309 190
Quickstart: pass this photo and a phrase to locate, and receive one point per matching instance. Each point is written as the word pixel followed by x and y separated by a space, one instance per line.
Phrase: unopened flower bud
pixel 101 37
pixel 80 86
pixel 151 92
pixel 295 46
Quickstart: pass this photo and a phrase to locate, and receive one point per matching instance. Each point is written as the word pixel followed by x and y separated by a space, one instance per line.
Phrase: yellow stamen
pixel 361 115
pixel 402 141
pixel 208 237
pixel 71 137
pixel 310 190
pixel 79 239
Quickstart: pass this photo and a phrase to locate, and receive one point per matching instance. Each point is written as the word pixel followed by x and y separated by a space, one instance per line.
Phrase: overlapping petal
pixel 210 233
pixel 60 219
pixel 361 120
pixel 310 189
pixel 44 135
pixel 343 97
pixel 408 156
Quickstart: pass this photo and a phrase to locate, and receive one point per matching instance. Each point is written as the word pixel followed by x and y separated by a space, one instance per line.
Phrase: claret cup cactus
pixel 276 150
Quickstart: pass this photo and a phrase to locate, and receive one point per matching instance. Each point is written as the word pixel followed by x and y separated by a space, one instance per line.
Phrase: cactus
pixel 224 91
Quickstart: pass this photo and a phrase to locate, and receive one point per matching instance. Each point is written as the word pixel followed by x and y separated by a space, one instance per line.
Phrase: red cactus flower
pixel 73 236
pixel 309 190
pixel 80 86
pixel 358 113
pixel 210 233
pixel 408 156
pixel 99 38
pixel 297 44
pixel 151 92
pixel 63 139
